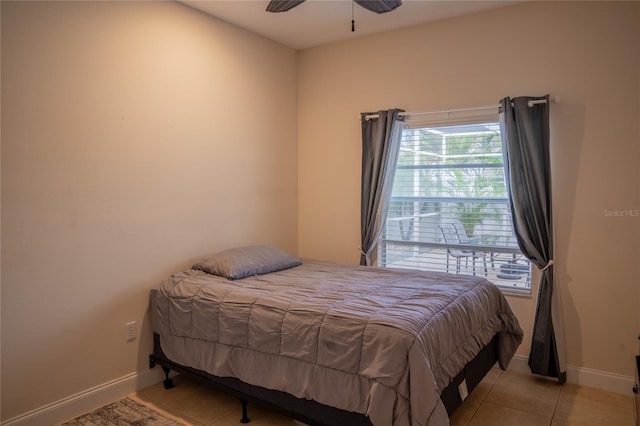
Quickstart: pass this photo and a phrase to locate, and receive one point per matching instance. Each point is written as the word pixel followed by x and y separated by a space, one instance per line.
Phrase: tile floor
pixel 502 398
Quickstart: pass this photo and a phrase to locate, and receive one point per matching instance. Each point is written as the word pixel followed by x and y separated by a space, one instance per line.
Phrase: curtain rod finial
pixel 552 99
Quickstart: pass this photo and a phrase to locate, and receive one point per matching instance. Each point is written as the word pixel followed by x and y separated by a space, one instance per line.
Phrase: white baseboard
pixel 610 382
pixel 85 401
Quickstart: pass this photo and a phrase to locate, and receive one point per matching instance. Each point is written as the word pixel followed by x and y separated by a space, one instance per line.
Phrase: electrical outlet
pixel 130 331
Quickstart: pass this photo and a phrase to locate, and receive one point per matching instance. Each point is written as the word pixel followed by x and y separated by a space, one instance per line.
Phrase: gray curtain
pixel 525 145
pixel 380 147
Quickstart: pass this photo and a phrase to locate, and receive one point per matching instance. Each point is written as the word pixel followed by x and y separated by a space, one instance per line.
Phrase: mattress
pixel 375 341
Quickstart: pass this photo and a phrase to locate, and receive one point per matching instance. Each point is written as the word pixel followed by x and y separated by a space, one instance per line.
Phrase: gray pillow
pixel 247 261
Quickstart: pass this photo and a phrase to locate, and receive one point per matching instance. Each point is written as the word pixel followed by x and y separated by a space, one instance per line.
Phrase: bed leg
pixel 168 383
pixel 245 417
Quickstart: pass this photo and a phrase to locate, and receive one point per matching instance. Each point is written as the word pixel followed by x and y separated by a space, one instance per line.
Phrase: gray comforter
pixel 376 341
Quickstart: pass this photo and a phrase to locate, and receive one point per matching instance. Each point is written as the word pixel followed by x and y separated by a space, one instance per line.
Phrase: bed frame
pixel 309 411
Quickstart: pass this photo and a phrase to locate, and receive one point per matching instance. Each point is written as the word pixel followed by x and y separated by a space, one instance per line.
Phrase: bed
pixel 332 344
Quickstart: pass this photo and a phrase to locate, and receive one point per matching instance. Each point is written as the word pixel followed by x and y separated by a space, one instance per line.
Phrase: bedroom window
pixel 449 210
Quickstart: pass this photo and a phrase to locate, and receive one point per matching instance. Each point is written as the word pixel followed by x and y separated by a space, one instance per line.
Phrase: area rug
pixel 125 412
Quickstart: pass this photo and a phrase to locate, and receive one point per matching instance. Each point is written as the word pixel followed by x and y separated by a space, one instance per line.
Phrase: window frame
pixel 444 119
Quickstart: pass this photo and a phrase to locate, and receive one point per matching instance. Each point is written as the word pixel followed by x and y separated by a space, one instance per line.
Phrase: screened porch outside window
pixel 449 210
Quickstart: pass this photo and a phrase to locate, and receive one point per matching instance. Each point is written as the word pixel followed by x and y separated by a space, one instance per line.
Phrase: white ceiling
pixel 318 22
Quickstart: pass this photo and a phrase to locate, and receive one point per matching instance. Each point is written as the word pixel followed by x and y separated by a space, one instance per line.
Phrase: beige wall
pixel 585 53
pixel 136 136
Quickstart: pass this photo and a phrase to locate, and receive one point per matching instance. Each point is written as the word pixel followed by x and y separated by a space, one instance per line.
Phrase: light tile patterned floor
pixel 502 398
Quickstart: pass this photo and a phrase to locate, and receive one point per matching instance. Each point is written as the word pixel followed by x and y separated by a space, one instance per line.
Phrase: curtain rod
pixel 531 103
pixel 405 114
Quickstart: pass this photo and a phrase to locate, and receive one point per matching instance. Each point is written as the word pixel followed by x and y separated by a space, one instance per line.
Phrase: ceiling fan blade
pixel 379 6
pixel 277 6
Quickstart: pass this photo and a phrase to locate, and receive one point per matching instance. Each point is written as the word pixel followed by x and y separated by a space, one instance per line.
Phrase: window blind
pixel 449 210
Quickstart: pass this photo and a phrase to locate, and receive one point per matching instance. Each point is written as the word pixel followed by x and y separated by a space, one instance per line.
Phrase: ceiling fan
pixel 377 6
